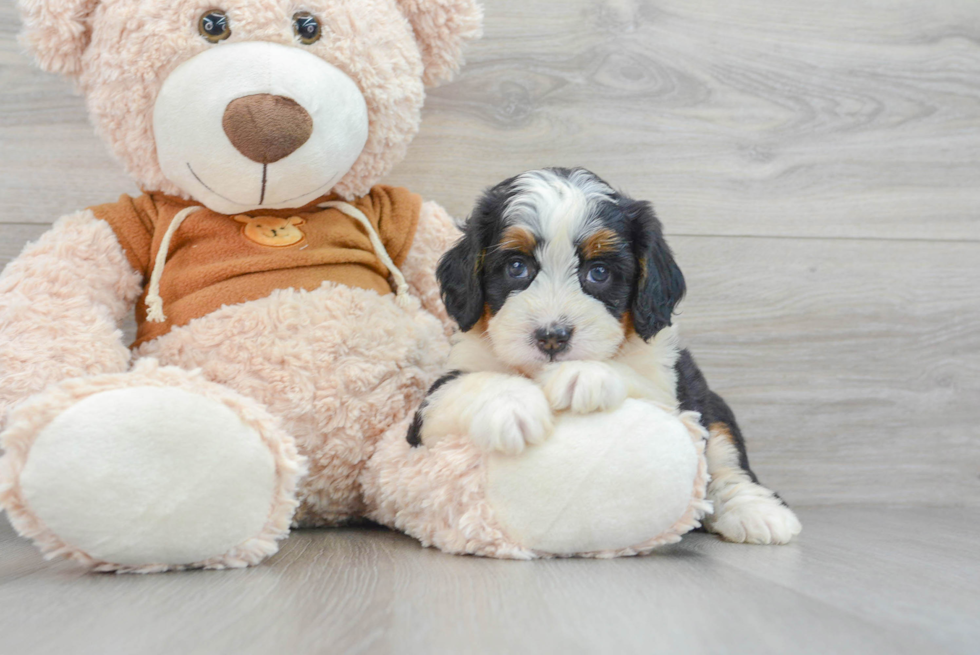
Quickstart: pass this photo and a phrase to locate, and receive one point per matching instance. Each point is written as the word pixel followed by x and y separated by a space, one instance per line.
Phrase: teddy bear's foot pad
pixel 603 483
pixel 143 476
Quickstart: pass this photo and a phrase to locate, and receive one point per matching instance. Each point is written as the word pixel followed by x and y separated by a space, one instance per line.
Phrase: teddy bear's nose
pixel 266 128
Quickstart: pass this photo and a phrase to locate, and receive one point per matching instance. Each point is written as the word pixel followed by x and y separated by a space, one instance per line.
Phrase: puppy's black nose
pixel 553 339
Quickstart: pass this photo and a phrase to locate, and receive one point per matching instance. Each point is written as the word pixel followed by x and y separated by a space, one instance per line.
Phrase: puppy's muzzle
pixel 553 339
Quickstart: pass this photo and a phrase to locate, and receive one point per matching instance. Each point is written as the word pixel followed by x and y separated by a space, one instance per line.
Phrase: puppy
pixel 563 290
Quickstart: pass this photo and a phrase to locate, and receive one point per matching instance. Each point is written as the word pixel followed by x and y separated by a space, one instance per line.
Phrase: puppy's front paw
pixel 755 520
pixel 510 417
pixel 582 386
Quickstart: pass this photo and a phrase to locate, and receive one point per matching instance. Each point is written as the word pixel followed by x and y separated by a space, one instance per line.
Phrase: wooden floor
pixel 859 580
pixel 817 167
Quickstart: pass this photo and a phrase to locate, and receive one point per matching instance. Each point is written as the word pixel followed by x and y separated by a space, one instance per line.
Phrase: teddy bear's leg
pixel 602 485
pixel 436 494
pixel 150 470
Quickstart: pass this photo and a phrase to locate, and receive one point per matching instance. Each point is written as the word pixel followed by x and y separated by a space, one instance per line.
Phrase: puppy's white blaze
pixel 552 299
pixel 559 212
pixel 553 206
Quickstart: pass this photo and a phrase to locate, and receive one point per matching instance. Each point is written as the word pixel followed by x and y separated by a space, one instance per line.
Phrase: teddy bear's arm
pixel 435 234
pixel 61 302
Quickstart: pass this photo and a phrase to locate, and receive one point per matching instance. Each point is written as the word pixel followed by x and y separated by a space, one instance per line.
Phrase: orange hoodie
pixel 216 260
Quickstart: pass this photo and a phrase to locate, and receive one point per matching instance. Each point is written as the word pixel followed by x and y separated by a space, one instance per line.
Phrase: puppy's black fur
pixel 694 394
pixel 461 269
pixel 645 281
pixel 660 284
pixel 415 429
pixel 472 278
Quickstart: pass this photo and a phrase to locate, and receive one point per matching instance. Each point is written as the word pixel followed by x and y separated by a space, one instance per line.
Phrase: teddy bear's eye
pixel 306 27
pixel 213 26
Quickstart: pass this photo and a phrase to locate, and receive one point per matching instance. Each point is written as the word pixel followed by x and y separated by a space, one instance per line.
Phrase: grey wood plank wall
pixel 817 166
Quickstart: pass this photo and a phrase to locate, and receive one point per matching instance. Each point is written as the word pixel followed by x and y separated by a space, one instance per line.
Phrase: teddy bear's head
pixel 241 104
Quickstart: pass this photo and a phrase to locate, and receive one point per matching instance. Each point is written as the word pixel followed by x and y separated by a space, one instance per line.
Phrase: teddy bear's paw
pixel 148 478
pixel 755 519
pixel 582 386
pixel 510 416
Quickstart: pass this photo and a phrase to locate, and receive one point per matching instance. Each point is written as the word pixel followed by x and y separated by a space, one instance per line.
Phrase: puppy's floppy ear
pixel 460 279
pixel 660 284
pixel 441 27
pixel 57 32
pixel 460 271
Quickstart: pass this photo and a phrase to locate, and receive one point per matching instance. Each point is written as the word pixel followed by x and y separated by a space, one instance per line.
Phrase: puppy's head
pixel 561 267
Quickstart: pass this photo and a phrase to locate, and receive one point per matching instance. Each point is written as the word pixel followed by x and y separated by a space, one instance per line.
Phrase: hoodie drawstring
pixel 401 286
pixel 154 303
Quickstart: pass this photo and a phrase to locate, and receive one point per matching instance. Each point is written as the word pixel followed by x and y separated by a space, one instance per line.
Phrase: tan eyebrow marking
pixel 518 238
pixel 600 242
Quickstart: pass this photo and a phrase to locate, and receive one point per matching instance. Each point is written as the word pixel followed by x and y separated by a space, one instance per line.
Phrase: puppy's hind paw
pixel 754 520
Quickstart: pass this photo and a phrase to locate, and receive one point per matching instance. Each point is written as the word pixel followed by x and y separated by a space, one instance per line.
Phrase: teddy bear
pixel 288 316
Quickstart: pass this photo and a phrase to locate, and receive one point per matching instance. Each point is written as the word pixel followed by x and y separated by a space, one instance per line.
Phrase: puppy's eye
pixel 213 26
pixel 517 269
pixel 598 274
pixel 306 27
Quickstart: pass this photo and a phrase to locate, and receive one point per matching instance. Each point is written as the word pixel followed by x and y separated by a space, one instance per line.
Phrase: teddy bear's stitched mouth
pixel 197 177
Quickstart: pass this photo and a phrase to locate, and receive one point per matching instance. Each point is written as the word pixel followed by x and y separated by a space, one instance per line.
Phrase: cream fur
pixel 31 418
pixel 591 488
pixel 121 51
pixel 337 365
pixel 436 233
pixel 150 474
pixel 60 304
pixel 324 373
pixel 438 494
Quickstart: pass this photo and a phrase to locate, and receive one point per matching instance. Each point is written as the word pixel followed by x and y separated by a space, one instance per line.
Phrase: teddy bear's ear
pixel 295 220
pixel 441 27
pixel 57 32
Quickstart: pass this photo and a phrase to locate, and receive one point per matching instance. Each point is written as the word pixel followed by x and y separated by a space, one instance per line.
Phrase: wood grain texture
pixel 842 118
pixel 859 580
pixel 853 366
pixel 817 167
